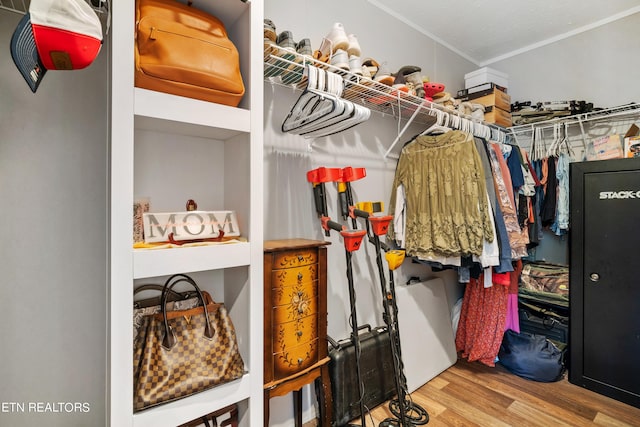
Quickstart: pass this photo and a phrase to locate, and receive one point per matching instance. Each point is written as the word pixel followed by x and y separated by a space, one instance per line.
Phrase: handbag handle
pixel 169 339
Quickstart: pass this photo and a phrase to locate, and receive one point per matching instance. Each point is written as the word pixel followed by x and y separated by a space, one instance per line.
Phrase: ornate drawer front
pixel 295 258
pixel 285 295
pixel 294 333
pixel 295 309
pixel 292 276
pixel 294 359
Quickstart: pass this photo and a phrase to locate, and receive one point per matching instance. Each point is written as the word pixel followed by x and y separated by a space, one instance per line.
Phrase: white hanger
pixel 320 110
pixel 440 126
pixel 314 103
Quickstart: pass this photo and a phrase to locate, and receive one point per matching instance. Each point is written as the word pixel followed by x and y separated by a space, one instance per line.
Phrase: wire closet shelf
pixel 376 96
pixel 614 113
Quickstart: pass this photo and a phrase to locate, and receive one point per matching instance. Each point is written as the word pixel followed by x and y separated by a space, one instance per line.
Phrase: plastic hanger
pixel 320 110
pixel 360 114
pixel 314 103
pixel 440 126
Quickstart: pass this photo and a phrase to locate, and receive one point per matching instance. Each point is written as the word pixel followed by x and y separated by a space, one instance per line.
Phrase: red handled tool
pixel 407 413
pixel 345 194
pixel 352 242
pixel 319 177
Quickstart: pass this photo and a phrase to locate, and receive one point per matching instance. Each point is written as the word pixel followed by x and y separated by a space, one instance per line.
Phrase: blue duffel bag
pixel 531 356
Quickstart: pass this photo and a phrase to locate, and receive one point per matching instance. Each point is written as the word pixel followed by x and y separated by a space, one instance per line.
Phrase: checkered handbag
pixel 183 352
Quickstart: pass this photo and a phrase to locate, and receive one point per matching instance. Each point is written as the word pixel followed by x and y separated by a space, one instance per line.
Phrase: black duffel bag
pixel 531 356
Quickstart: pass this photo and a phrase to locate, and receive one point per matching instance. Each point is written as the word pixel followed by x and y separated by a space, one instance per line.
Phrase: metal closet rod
pixel 608 113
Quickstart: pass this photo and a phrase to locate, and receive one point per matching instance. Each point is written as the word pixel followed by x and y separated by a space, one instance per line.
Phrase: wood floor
pixel 471 394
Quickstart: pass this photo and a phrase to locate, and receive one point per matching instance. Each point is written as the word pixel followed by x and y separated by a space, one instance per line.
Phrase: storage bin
pixel 486 75
pixel 492 98
pixel 498 116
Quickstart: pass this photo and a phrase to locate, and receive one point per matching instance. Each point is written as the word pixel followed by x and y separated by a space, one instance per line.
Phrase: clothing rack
pixel 375 96
pixel 584 123
pixel 627 110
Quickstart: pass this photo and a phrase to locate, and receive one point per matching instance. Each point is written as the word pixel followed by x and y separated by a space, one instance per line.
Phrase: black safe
pixel 605 278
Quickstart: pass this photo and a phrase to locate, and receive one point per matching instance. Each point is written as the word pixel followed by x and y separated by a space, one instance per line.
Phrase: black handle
pixel 169 340
pixel 174 296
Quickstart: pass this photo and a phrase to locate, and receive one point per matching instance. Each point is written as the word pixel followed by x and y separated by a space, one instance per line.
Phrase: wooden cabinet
pixel 295 322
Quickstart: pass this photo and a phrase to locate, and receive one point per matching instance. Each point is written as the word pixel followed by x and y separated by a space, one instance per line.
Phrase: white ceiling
pixel 486 31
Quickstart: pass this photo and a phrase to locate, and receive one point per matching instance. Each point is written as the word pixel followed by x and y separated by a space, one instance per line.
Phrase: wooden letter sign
pixel 189 225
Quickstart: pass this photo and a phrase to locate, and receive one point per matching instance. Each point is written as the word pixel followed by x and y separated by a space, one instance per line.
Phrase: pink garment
pixel 513 318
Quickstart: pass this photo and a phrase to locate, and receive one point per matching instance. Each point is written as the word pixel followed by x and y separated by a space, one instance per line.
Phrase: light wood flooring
pixel 471 394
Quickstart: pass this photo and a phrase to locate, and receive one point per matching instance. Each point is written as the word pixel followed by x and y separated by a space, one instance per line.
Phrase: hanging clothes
pixel 561 225
pixel 505 197
pixel 446 202
pixel 513 318
pixel 514 163
pixel 482 321
pixel 502 237
pixel 548 210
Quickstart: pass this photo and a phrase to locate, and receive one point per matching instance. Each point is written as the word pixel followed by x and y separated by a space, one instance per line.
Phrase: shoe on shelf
pixel 431 89
pixel 384 75
pixel 285 40
pixel 414 81
pixel 370 68
pixel 340 59
pixel 354 47
pixel 285 49
pixel 355 65
pixel 336 39
pixel 295 71
pixel 304 48
pixel 269 30
pixel 403 71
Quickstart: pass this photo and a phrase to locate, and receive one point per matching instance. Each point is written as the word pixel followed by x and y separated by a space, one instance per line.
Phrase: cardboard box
pixel 485 75
pixel 485 87
pixel 498 116
pixel 490 98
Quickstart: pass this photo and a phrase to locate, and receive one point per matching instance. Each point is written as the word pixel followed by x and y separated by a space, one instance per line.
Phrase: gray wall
pixel 53 255
pixel 599 66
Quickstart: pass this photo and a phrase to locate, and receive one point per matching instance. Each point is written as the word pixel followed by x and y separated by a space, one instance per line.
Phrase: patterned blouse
pixel 446 198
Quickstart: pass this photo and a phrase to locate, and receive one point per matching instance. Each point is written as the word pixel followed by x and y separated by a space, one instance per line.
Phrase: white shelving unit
pixel 171 149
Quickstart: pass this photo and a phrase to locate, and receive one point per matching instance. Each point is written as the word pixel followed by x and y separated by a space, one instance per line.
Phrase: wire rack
pixel 18 6
pixel 631 111
pixel 286 68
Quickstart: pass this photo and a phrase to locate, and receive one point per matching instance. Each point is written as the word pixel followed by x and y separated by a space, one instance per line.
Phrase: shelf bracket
pixel 395 141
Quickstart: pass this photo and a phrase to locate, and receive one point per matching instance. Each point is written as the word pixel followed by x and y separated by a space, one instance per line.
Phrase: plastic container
pixel 486 75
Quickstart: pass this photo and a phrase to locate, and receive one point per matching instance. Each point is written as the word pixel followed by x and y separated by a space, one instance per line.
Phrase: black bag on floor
pixel 377 370
pixel 531 356
pixel 536 318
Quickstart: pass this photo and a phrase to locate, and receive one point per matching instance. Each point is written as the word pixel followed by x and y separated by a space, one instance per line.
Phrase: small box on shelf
pixel 486 75
pixel 498 116
pixel 490 98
